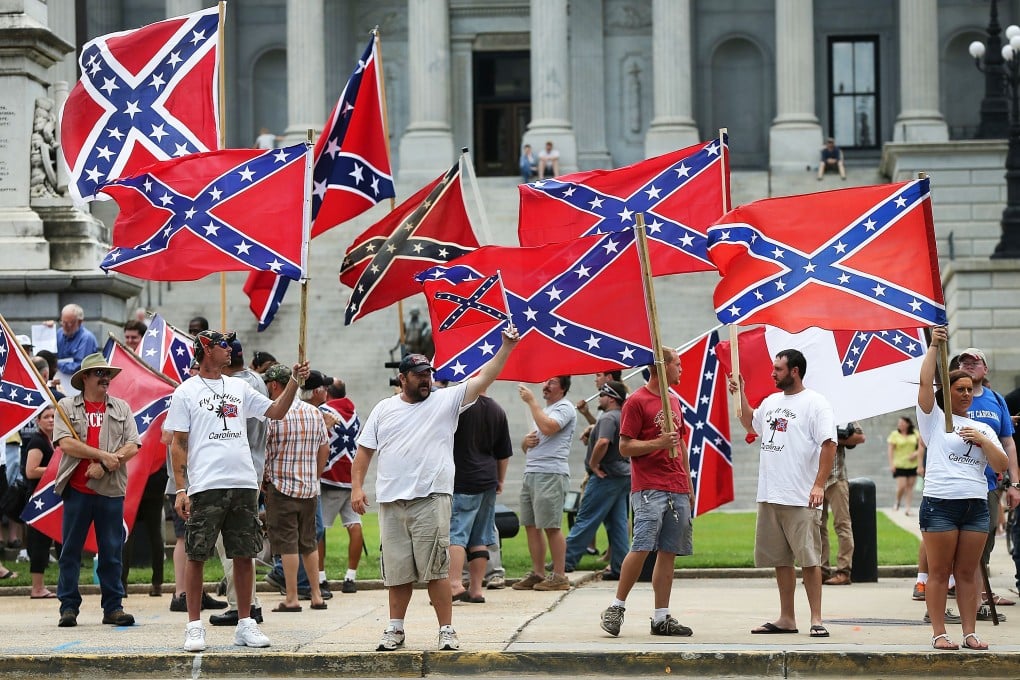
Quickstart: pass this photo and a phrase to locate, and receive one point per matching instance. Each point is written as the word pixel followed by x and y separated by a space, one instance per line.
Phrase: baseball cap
pixel 974 352
pixel 236 353
pixel 207 338
pixel 417 363
pixel 24 340
pixel 614 389
pixel 276 373
pixel 317 379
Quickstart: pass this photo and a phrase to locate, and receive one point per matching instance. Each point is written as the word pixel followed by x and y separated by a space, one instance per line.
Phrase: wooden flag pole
pixel 401 330
pixel 735 363
pixel 653 325
pixel 724 165
pixel 306 229
pixel 469 169
pixel 223 138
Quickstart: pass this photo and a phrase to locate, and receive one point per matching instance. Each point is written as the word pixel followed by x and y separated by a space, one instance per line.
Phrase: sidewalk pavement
pixel 876 629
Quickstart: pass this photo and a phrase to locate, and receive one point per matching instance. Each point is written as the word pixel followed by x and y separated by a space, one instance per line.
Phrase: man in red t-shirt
pixel 661 497
pixel 92 480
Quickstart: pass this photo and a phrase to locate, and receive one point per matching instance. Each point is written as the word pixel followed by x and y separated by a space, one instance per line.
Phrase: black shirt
pixel 481 439
pixel 43 443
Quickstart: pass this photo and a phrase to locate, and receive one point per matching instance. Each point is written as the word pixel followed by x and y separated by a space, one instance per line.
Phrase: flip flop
pixel 770 628
pixel 48 596
pixel 282 608
pixel 9 574
pixel 321 605
pixel 466 597
pixel 819 631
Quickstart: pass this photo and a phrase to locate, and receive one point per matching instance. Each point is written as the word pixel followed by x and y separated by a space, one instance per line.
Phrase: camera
pixel 845 432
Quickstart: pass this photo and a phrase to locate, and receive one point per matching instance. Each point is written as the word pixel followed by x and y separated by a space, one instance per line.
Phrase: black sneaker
pixel 276 582
pixel 349 586
pixel 670 626
pixel 229 617
pixel 209 602
pixel 327 594
pixel 68 619
pixel 178 603
pixel 118 617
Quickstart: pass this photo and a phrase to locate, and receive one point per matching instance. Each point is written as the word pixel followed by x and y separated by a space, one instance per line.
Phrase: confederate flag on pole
pixel 857 259
pixel 233 210
pixel 351 173
pixel 431 227
pixel 145 95
pixel 166 349
pixel 681 193
pixel 148 394
pixel 578 305
pixel 702 393
pixel 861 373
pixel 22 394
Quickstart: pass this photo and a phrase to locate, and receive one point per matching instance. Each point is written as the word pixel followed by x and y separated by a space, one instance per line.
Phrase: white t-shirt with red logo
pixel 214 413
pixel 792 430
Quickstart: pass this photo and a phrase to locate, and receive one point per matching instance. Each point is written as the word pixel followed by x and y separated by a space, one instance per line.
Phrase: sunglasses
pixel 101 372
pixel 223 343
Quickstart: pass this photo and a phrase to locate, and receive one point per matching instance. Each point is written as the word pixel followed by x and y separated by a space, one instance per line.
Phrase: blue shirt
pixel 71 350
pixel 990 409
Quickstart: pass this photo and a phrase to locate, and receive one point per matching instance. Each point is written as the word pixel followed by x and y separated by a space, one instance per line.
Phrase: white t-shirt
pixel 215 413
pixel 953 469
pixel 413 444
pixel 553 450
pixel 792 430
pixel 266 141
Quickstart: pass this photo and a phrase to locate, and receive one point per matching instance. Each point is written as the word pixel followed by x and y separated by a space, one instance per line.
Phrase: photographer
pixel 837 498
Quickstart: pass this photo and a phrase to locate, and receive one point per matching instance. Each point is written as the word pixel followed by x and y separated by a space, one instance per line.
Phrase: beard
pixel 785 383
pixel 417 394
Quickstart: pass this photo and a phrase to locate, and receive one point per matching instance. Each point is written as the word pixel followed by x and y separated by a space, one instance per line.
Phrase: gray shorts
pixel 415 538
pixel 337 501
pixel 542 496
pixel 662 521
pixel 786 534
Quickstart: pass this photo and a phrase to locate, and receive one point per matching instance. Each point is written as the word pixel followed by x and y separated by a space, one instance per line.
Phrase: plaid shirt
pixel 292 448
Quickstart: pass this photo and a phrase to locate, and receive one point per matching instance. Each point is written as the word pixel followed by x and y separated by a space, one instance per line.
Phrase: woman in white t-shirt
pixel 954 509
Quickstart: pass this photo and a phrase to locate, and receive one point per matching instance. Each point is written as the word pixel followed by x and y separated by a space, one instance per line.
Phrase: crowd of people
pixel 267 451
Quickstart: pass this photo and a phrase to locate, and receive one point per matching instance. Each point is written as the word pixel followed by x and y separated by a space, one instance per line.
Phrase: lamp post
pixel 994 106
pixel 1009 74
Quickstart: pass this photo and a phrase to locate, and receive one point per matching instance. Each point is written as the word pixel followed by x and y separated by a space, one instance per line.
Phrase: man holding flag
pixel 798 447
pixel 92 479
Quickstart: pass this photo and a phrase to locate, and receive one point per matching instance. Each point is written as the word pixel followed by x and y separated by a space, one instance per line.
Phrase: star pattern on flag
pixel 382 251
pixel 197 215
pixel 542 312
pixel 137 105
pixel 616 212
pixel 827 264
pixel 905 343
pixel 470 302
pixel 166 349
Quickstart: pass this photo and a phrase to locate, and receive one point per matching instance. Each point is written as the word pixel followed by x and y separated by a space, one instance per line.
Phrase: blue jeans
pixel 604 500
pixel 302 575
pixel 107 514
pixel 12 461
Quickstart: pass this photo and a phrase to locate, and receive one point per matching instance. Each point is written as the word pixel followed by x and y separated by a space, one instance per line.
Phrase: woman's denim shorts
pixel 956 514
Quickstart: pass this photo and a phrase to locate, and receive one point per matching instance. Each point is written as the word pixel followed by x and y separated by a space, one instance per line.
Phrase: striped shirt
pixel 292 447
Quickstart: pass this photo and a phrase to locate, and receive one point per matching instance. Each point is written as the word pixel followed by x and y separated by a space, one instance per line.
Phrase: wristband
pixel 180 491
pixel 105 469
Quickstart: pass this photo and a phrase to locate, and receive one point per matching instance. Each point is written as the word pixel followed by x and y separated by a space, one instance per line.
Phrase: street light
pixel 1009 72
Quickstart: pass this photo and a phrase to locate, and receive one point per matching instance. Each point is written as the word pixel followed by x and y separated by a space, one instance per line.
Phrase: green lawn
pixel 721 539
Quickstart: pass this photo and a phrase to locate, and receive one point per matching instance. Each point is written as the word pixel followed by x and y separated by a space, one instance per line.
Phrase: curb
pixel 683 662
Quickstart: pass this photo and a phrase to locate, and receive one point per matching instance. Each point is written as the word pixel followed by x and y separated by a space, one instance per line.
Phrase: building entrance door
pixel 502 110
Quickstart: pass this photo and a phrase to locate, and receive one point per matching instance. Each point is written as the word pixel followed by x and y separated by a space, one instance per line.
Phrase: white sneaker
pixel 247 634
pixel 391 639
pixel 22 556
pixel 194 637
pixel 448 640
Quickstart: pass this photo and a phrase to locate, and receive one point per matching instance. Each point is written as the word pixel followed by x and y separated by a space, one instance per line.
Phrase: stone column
pixel 550 82
pixel 426 149
pixel 27 51
pixel 588 103
pixel 306 69
pixel 673 126
pixel 920 119
pixel 795 136
pixel 462 92
pixel 175 8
